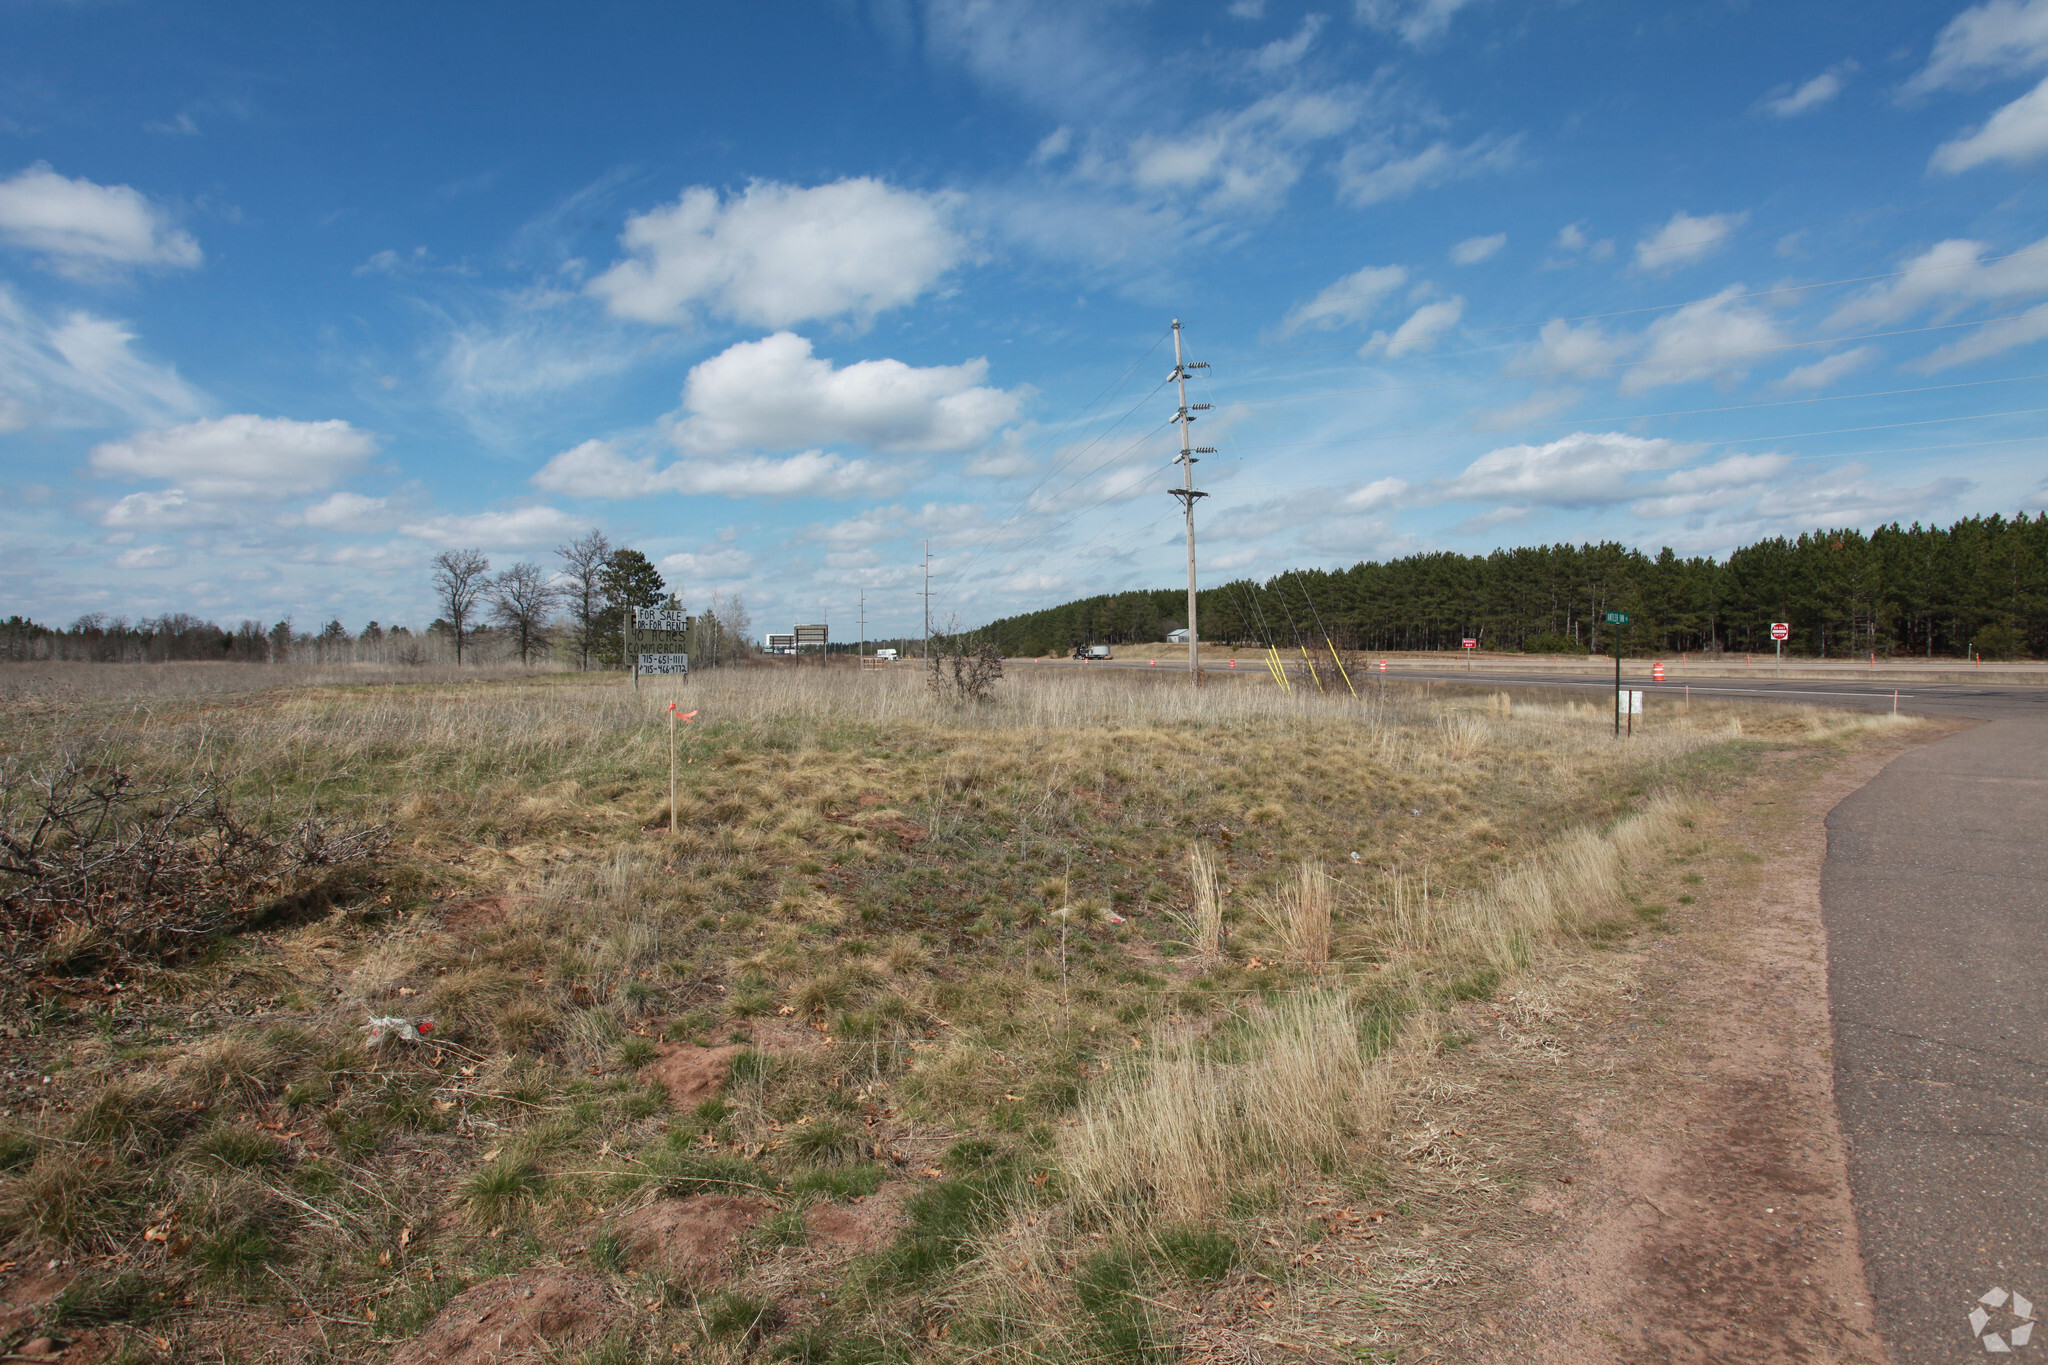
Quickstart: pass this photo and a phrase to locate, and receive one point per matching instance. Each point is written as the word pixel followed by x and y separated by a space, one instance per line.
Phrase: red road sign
pixel 1781 630
pixel 1656 672
pixel 1471 643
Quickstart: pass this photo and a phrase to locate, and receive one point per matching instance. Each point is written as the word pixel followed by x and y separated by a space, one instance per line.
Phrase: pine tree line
pixel 1980 584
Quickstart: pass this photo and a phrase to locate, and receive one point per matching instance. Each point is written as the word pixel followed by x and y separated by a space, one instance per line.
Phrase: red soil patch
pixel 473 913
pixel 691 1073
pixel 523 1319
pixel 691 1238
pixel 859 1228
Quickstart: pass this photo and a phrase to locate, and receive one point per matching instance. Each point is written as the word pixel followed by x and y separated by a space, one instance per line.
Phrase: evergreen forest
pixel 1978 586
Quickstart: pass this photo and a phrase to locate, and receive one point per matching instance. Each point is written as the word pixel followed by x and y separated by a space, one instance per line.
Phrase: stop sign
pixel 1657 673
pixel 1781 630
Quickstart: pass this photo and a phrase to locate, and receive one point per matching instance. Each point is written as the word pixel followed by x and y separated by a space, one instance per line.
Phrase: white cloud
pixel 718 564
pixel 1584 469
pixel 88 229
pixel 1537 406
pixel 1351 299
pixel 519 529
pixel 775 394
pixel 1810 94
pixel 147 557
pixel 80 371
pixel 1008 458
pixel 595 469
pixel 1377 494
pixel 1373 172
pixel 776 254
pixel 167 509
pixel 1983 343
pixel 1572 238
pixel 1247 158
pixel 1418 21
pixel 1716 337
pixel 241 456
pixel 2003 37
pixel 349 512
pixel 1282 53
pixel 1561 348
pixel 1686 239
pixel 1728 482
pixel 1247 9
pixel 1421 331
pixel 1473 250
pixel 1827 370
pixel 2018 134
pixel 1948 276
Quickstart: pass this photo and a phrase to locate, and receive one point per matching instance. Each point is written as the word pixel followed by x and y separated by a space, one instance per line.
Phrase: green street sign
pixel 1617 618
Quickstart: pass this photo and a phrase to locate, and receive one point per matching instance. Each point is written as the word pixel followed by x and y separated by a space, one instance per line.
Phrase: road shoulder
pixel 1684 1191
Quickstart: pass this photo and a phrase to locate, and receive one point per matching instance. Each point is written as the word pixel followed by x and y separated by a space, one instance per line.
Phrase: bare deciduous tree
pixel 583 560
pixel 522 600
pixel 459 581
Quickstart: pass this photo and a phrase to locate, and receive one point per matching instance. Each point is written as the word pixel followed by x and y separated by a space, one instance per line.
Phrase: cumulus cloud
pixel 1246 158
pixel 1809 94
pixel 85 229
pixel 519 529
pixel 718 563
pixel 1948 277
pixel 595 469
pixel 1821 373
pixel 242 456
pixel 1421 331
pixel 1584 469
pixel 1376 495
pixel 1417 21
pixel 1371 173
pixel 1561 348
pixel 1572 239
pixel 2017 134
pixel 1473 250
pixel 1685 240
pixel 1985 342
pixel 774 394
pixel 1349 300
pixel 2000 38
pixel 78 370
pixel 346 511
pixel 1713 338
pixel 776 254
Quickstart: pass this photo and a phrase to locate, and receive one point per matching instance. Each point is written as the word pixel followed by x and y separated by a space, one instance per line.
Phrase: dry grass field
pixel 1048 1029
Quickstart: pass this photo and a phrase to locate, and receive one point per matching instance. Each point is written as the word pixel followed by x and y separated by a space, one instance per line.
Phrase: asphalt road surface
pixel 1935 897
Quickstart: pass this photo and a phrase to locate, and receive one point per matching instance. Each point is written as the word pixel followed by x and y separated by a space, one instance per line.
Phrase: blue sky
pixel 293 298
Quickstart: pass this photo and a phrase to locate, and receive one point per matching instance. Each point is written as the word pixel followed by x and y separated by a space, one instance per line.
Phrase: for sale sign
pixel 664 663
pixel 1781 630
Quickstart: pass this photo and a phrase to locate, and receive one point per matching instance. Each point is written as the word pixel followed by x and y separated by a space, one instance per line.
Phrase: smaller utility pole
pixel 862 647
pixel 927 595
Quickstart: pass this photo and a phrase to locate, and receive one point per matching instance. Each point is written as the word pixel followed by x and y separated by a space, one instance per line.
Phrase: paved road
pixel 1935 896
pixel 1962 700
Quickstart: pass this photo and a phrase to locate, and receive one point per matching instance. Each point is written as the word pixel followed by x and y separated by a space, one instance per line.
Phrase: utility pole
pixel 1187 492
pixel 862 647
pixel 927 600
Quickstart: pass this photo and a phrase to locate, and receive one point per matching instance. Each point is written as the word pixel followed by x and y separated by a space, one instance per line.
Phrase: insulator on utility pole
pixel 1187 492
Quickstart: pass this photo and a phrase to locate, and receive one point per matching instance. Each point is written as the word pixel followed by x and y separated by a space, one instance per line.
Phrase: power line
pixel 1691 359
pixel 1664 307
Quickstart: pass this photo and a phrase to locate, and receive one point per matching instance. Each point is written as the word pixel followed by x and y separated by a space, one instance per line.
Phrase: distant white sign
pixel 1781 630
pixel 660 618
pixel 664 663
pixel 1628 702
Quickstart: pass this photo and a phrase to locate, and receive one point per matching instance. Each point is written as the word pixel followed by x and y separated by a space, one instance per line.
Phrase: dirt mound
pixel 536 1315
pixel 693 1237
pixel 858 1228
pixel 691 1073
